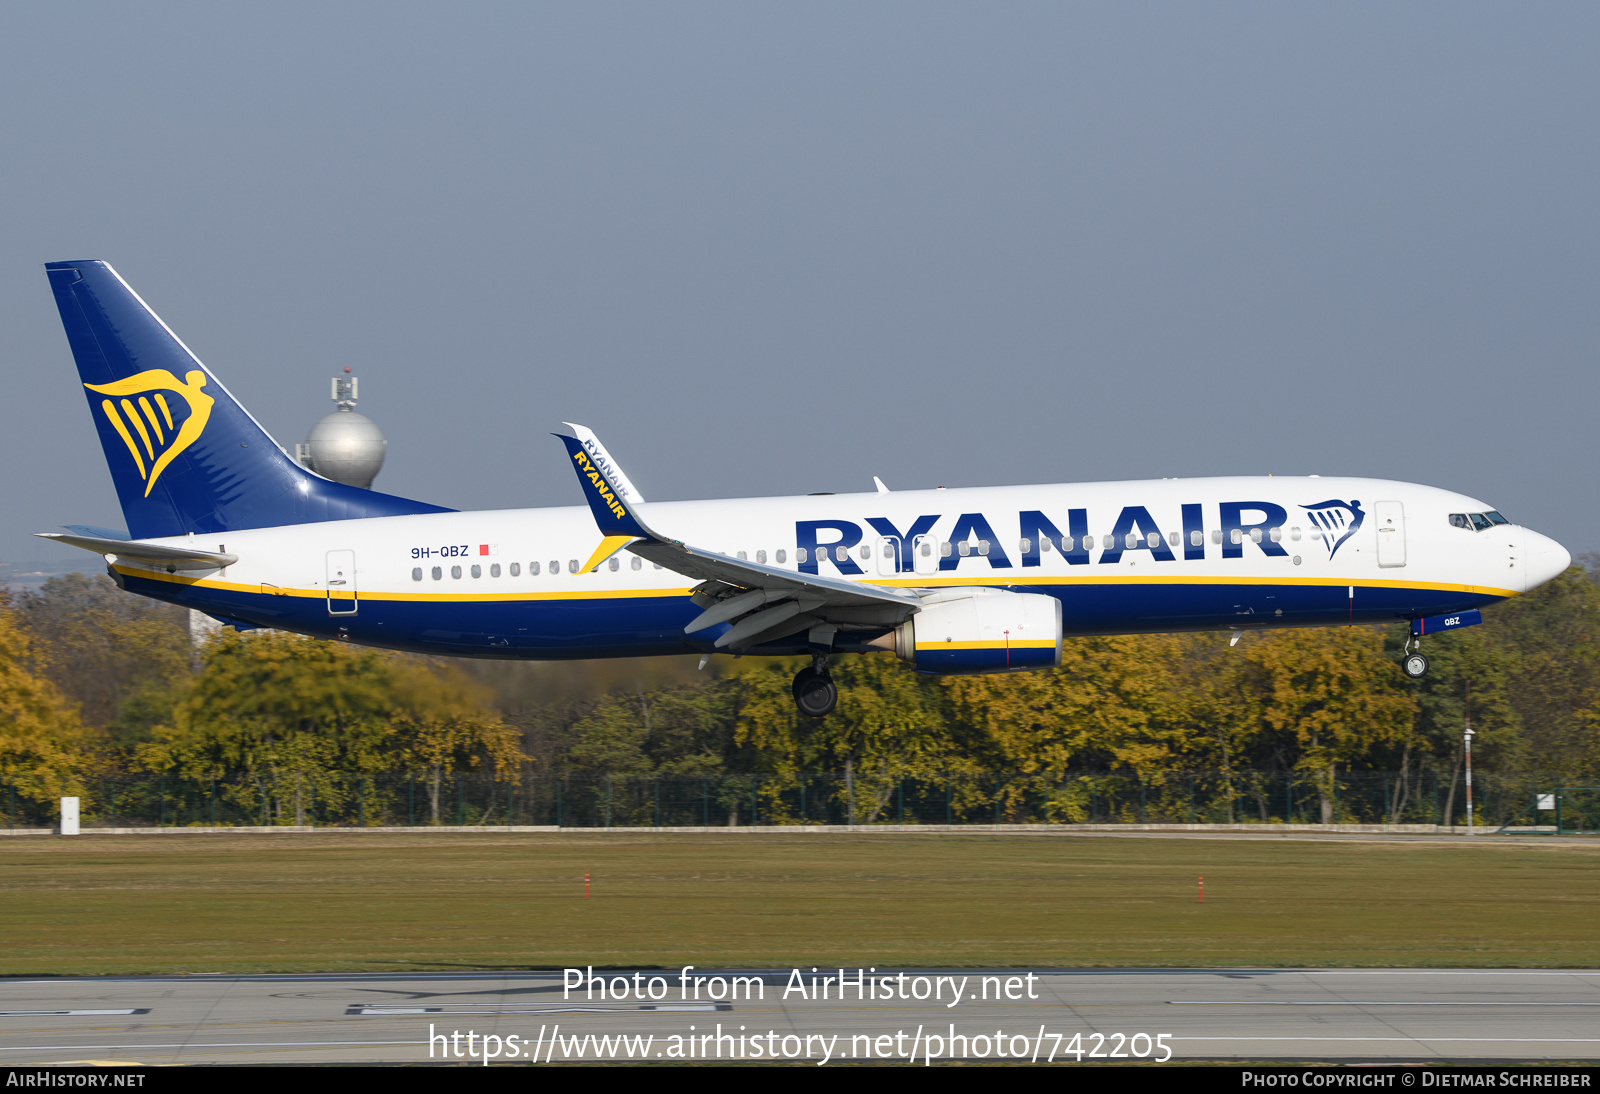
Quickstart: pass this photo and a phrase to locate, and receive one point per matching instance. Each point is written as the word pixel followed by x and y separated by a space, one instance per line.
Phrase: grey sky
pixel 767 249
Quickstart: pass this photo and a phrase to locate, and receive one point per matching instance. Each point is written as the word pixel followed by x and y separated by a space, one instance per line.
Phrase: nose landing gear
pixel 1413 664
pixel 814 690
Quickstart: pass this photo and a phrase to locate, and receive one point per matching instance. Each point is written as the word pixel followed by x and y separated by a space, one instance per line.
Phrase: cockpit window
pixel 1477 522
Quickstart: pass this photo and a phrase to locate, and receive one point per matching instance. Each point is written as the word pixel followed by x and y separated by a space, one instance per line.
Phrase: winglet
pixel 612 513
pixel 607 465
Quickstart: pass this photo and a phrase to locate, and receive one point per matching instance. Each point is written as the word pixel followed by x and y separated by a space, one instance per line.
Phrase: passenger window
pixel 657 565
pixel 437 573
pixel 1130 541
pixel 1108 542
pixel 944 549
pixel 1067 542
pixel 455 572
pixel 1153 540
pixel 743 557
pixel 516 568
pixel 888 550
pixel 983 546
pixel 841 554
pixel 1235 536
pixel 1045 546
pixel 1294 534
pixel 416 573
pixel 1275 535
pixel 800 554
pixel 964 548
pixel 1197 539
pixel 638 562
pixel 477 571
pixel 1255 535
pixel 1216 535
pixel 1027 545
pixel 572 565
pixel 533 569
pixel 613 564
pixel 555 567
pixel 925 549
pixel 782 556
pixel 1172 539
pixel 866 552
pixel 761 556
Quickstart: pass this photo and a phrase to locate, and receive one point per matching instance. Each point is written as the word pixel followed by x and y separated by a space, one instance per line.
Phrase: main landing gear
pixel 1413 664
pixel 814 690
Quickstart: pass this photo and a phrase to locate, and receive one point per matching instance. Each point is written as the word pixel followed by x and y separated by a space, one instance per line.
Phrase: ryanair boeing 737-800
pixel 222 520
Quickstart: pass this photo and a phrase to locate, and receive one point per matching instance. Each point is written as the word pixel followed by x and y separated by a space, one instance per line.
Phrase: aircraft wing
pixel 168 558
pixel 763 603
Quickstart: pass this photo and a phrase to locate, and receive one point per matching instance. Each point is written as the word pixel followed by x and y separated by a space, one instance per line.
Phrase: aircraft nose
pixel 1546 559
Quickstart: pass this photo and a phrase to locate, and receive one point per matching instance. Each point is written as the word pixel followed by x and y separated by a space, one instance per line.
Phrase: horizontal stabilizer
pixel 96 533
pixel 170 558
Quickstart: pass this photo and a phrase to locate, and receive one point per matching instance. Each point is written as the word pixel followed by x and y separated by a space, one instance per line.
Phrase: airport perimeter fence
pixel 328 799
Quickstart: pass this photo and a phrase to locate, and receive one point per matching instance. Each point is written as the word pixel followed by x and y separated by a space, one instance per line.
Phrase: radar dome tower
pixel 345 446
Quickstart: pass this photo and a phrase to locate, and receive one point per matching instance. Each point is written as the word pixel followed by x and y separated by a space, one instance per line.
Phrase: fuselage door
pixel 1391 517
pixel 888 552
pixel 925 554
pixel 341 583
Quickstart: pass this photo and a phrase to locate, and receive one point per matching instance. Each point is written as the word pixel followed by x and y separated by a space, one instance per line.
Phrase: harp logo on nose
pixel 1334 522
pixel 155 430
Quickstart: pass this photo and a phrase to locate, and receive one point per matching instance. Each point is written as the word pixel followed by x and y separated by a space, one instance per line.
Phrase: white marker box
pixel 69 816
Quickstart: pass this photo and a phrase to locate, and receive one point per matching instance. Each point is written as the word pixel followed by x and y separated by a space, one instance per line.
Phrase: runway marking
pixel 60 1013
pixel 380 1009
pixel 230 1044
pixel 1348 1003
pixel 1414 1040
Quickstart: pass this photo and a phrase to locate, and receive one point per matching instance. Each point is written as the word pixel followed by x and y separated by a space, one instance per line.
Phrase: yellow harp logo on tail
pixel 142 417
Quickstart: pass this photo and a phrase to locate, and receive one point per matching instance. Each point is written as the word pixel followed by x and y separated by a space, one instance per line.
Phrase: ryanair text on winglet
pixel 587 468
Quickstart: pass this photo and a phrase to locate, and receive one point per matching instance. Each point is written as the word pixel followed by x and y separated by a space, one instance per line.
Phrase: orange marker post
pixel 1202 888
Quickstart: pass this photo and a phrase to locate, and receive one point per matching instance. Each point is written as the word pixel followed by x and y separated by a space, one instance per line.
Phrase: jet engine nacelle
pixel 982 630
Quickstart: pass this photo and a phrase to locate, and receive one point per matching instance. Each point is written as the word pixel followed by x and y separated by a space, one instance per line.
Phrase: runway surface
pixel 1462 1015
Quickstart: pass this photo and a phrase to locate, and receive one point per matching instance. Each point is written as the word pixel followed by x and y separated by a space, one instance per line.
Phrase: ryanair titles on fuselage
pixel 1263 523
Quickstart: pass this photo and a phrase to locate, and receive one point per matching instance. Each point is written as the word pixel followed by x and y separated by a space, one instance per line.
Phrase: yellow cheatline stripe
pixel 161 401
pixel 144 435
pixel 1058 580
pixel 122 431
pixel 624 594
pixel 1022 644
pixel 608 547
pixel 144 405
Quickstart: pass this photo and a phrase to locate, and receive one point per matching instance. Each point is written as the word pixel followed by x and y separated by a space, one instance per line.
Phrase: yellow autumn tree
pixel 888 726
pixel 1337 692
pixel 289 721
pixel 44 747
pixel 441 724
pixel 1112 703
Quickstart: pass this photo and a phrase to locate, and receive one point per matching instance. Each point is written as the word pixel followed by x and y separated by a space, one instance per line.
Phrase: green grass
pixel 328 902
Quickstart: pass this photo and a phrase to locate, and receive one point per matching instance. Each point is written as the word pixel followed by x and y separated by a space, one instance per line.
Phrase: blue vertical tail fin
pixel 184 455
